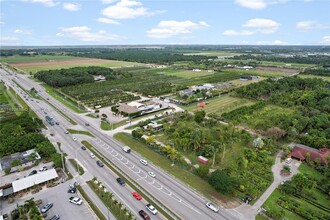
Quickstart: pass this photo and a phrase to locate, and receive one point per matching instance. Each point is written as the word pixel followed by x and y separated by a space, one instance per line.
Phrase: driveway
pixel 250 212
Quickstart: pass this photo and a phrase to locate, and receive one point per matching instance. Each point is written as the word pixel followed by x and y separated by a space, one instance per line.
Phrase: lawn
pixel 220 104
pixel 106 126
pixel 327 78
pixel 256 72
pixel 190 179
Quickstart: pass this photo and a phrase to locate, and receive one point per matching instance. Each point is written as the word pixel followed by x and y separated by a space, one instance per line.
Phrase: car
pixel 55 217
pixel 72 189
pixel 57 123
pixel 74 138
pixel 42 169
pixel 137 195
pixel 100 163
pixel 33 172
pixel 152 209
pixel 152 174
pixel 144 162
pixel 121 181
pixel 75 200
pixel 83 147
pixel 92 155
pixel 144 215
pixel 46 207
pixel 86 124
pixel 127 149
pixel 212 206
pixel 66 131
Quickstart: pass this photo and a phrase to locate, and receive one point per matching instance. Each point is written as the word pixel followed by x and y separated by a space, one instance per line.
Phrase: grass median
pixel 78 168
pixel 128 181
pixel 72 131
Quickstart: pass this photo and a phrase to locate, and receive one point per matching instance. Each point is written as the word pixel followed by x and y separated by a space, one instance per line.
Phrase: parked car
pixel 75 200
pixel 33 172
pixel 144 162
pixel 42 169
pixel 100 163
pixel 152 174
pixel 55 217
pixel 83 147
pixel 74 138
pixel 46 207
pixel 72 189
pixel 66 131
pixel 144 215
pixel 137 195
pixel 57 123
pixel 213 207
pixel 92 155
pixel 152 209
pixel 121 181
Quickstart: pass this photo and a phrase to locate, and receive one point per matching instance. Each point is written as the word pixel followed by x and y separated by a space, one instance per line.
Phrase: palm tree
pixel 125 210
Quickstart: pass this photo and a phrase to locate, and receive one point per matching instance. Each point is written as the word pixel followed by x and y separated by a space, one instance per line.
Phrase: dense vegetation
pixel 317 72
pixel 319 59
pixel 22 133
pixel 307 118
pixel 77 75
pixel 143 55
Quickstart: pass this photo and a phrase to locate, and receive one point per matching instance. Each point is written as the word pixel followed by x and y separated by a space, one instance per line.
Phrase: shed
pixel 203 160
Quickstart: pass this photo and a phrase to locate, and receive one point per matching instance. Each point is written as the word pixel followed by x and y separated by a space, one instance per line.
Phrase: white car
pixel 92 155
pixel 152 174
pixel 75 200
pixel 213 207
pixel 144 162
pixel 42 169
pixel 66 131
pixel 74 139
pixel 152 209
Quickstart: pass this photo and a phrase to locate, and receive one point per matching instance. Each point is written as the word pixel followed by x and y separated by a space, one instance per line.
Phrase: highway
pixel 182 200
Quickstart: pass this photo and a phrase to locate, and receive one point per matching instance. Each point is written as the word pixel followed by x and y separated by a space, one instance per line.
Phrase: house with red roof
pixel 300 152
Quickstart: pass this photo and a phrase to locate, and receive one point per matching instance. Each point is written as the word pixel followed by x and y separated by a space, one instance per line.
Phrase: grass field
pixel 188 74
pixel 256 72
pixel 34 64
pixel 220 104
pixel 327 78
pixel 273 64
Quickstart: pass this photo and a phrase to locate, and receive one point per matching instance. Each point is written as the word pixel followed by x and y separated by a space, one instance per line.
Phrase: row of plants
pixel 117 208
pixel 28 210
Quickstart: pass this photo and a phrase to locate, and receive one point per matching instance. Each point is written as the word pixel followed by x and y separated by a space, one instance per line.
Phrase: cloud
pixel 108 1
pixel 107 21
pixel 166 29
pixel 71 6
pixel 257 4
pixel 127 9
pixel 258 25
pixel 325 40
pixel 46 3
pixel 8 39
pixel 83 33
pixel 275 42
pixel 310 25
pixel 22 31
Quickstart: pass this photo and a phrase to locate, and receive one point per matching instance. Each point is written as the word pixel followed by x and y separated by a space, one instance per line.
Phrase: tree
pixel 222 182
pixel 15 162
pixel 45 149
pixel 199 116
pixel 275 133
pixel 258 143
pixel 57 160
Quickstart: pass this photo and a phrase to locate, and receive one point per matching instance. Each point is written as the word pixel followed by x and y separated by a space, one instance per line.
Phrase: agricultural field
pixel 188 74
pixel 38 63
pixel 214 53
pixel 220 104
pixel 259 72
pixel 327 78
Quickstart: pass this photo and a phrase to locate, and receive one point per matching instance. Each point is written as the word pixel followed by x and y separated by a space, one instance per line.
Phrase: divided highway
pixel 182 200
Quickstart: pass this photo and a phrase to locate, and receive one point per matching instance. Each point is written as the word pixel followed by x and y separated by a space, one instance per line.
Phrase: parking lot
pixel 60 198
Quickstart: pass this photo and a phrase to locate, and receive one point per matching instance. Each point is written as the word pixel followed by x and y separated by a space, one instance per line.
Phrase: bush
pixel 202 171
pixel 7 171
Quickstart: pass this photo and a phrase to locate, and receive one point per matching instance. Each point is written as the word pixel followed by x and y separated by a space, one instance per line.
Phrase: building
pixel 128 110
pixel 300 152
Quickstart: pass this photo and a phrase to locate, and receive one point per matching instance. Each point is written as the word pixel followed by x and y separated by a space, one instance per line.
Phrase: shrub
pixel 7 171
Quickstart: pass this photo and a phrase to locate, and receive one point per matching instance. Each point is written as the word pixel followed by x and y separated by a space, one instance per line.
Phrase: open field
pixel 272 64
pixel 188 74
pixel 38 63
pixel 258 72
pixel 220 104
pixel 327 78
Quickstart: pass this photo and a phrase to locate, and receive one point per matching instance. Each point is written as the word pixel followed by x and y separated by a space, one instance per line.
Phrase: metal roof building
pixel 36 179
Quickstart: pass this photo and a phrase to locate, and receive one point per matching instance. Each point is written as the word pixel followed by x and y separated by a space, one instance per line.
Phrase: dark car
pixel 100 163
pixel 121 181
pixel 83 147
pixel 72 189
pixel 57 123
pixel 144 215
pixel 33 172
pixel 55 217
pixel 46 207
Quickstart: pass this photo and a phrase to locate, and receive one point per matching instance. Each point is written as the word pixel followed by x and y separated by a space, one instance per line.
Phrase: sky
pixel 133 22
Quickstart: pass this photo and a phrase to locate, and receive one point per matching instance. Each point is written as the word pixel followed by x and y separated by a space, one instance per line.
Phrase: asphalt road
pixel 178 197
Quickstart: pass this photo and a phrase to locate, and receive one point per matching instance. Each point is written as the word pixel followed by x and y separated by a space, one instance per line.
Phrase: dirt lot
pixel 280 70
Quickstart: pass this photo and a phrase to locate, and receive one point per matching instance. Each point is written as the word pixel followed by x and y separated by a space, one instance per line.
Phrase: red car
pixel 137 195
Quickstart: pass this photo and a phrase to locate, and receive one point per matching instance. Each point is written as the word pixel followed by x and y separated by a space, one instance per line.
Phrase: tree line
pixel 77 75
